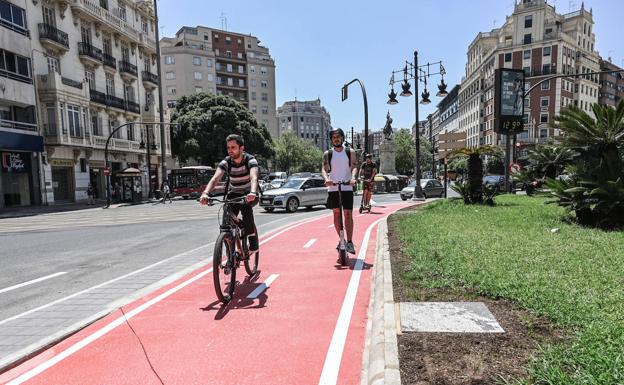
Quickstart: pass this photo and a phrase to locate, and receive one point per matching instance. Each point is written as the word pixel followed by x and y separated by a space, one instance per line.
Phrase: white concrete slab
pixel 448 317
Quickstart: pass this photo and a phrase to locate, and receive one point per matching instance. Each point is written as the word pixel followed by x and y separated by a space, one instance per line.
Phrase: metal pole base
pixel 418 195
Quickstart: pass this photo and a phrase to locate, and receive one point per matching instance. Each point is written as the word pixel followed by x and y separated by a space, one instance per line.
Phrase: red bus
pixel 190 181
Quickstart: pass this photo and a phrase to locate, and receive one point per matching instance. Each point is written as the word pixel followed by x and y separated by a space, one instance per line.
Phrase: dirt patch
pixel 470 358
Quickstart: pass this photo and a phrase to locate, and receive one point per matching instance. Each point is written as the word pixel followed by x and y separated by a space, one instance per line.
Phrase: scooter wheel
pixel 343 257
pixel 360 209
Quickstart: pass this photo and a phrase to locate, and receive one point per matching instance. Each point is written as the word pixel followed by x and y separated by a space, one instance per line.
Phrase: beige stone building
pixel 542 42
pixel 94 66
pixel 202 59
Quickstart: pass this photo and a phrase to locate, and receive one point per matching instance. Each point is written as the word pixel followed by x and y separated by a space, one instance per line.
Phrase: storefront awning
pixel 20 142
pixel 130 171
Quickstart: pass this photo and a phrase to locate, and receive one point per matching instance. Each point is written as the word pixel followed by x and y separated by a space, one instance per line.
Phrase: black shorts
pixel 347 200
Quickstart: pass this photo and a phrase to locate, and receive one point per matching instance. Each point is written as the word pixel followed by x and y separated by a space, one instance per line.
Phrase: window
pixel 546 51
pixel 170 75
pixel 544 101
pixel 546 69
pixel 169 60
pixel 241 82
pixel 548 31
pixel 228 68
pixel 171 103
pixel 15 66
pixel 263 70
pixel 12 17
pixel 198 89
pixel 528 21
pixel 543 118
pixel 241 69
pixel 252 69
pixel 228 54
pixel 527 38
pixel 144 25
pixel 230 81
pixel 171 90
pixel 239 55
pixel 253 82
pixel 53 64
pixel 73 119
pixel 209 77
pixel 527 71
pixel 507 57
pixel 546 85
pixel 197 60
pixel 110 84
pixel 208 62
pixel 218 66
pixel 198 75
pixel 96 126
pixel 265 97
pixel 526 54
pixel 90 77
pixel 265 110
pixel 48 16
pixel 122 12
pixel 543 133
pixel 253 96
pixel 264 84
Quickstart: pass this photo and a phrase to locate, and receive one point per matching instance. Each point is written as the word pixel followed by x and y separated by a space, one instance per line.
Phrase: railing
pixel 109 60
pixel 128 68
pixel 150 77
pixel 15 76
pixel 98 97
pixel 113 101
pixel 17 125
pixel 94 9
pixel 133 107
pixel 47 31
pixel 49 129
pixel 87 49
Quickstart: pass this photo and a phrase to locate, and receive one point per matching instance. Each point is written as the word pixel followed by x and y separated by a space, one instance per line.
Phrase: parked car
pixel 276 175
pixel 430 187
pixel 296 192
pixel 495 180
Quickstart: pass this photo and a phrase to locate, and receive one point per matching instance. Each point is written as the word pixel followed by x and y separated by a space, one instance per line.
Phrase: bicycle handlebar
pixel 233 200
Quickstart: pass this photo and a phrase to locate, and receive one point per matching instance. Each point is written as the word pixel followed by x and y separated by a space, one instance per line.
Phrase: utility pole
pixel 161 112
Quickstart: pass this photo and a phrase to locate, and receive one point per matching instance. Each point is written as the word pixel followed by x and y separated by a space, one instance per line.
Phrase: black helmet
pixel 336 130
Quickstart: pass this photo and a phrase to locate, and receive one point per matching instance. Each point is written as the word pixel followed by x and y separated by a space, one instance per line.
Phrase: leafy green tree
pixel 205 120
pixel 294 154
pixel 406 152
pixel 550 160
pixel 312 158
pixel 474 183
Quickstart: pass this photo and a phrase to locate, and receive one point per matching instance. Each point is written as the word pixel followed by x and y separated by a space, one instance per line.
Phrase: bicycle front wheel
pixel 224 268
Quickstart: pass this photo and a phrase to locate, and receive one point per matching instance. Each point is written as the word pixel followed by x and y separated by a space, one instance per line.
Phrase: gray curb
pixel 380 361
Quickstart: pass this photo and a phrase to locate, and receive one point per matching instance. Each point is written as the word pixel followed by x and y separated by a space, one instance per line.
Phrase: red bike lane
pixel 307 327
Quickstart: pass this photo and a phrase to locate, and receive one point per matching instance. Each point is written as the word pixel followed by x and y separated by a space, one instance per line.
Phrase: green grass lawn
pixel 574 276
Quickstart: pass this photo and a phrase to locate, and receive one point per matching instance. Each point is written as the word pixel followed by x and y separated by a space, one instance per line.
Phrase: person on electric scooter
pixel 367 175
pixel 340 164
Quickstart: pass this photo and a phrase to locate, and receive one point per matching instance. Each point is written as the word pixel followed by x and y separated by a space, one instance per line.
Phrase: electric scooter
pixel 342 246
pixel 367 206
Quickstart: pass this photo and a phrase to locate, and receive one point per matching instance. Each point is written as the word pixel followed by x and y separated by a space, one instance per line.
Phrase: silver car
pixel 430 188
pixel 294 193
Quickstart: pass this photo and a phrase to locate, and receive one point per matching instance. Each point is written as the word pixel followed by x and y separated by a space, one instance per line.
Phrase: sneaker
pixel 350 248
pixel 253 243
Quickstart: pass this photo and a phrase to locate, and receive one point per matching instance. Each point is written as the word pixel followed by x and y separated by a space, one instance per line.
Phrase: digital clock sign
pixel 509 101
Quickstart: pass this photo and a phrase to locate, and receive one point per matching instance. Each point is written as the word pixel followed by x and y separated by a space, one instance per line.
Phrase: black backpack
pixel 330 152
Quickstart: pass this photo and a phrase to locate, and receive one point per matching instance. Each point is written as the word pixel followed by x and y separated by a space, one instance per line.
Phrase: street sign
pixel 106 172
pixel 515 167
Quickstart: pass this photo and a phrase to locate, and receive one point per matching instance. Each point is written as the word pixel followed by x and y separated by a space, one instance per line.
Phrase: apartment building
pixel 203 59
pixel 448 108
pixel 309 120
pixel 94 70
pixel 611 85
pixel 538 40
pixel 21 145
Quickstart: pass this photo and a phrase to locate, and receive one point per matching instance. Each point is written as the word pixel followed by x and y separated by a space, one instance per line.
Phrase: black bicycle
pixel 231 248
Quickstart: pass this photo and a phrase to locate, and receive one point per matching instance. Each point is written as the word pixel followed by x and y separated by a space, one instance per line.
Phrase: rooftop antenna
pixel 571 5
pixel 223 22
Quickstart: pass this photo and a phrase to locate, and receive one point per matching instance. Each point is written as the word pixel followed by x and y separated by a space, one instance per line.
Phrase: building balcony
pixel 133 107
pixel 147 43
pixel 53 39
pixel 93 12
pixel 150 80
pixel 48 86
pixel 110 63
pixel 128 71
pixel 115 102
pixel 97 97
pixel 89 55
pixel 15 125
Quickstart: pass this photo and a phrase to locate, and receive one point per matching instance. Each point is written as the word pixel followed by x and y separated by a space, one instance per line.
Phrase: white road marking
pixel 309 244
pixel 332 225
pixel 329 375
pixel 103 331
pixel 31 282
pixel 262 287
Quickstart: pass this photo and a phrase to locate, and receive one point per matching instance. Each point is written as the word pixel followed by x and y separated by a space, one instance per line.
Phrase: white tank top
pixel 340 169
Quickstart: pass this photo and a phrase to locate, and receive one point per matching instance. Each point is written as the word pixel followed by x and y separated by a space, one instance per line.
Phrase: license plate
pixel 268 201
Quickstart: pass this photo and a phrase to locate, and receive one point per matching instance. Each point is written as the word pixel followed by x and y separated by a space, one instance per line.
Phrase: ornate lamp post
pixel 412 71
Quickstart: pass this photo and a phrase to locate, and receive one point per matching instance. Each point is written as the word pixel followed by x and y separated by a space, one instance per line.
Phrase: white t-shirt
pixel 340 169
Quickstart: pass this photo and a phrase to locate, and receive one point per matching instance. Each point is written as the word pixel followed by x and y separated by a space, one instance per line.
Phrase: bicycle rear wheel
pixel 224 268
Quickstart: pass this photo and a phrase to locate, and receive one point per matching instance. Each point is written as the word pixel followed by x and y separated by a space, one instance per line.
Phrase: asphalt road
pixel 92 246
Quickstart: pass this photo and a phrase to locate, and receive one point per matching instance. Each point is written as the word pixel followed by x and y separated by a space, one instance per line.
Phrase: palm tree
pixel 549 160
pixel 474 169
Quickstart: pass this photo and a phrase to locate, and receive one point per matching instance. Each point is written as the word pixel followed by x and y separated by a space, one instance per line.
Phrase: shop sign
pixel 14 162
pixel 62 162
pixel 96 164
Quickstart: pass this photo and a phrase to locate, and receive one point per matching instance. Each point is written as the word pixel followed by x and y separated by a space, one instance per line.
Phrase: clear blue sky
pixel 320 45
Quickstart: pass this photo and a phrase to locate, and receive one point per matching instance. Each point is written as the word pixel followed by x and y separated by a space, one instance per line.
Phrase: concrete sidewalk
pixel 27 211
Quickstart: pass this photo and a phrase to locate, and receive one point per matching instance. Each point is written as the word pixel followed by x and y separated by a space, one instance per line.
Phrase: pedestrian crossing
pixel 114 216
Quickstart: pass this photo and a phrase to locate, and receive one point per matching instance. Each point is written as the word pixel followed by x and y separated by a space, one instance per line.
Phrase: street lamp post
pixel 433 165
pixel 412 71
pixel 345 95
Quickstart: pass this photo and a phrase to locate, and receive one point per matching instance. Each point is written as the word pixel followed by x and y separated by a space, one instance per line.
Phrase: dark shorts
pixel 368 186
pixel 347 200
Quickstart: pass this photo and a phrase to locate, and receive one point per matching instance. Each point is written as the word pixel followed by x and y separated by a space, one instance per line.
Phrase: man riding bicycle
pixel 242 171
pixel 340 164
pixel 367 175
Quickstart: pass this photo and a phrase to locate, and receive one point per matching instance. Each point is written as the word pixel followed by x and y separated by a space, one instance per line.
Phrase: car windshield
pixel 491 178
pixel 293 183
